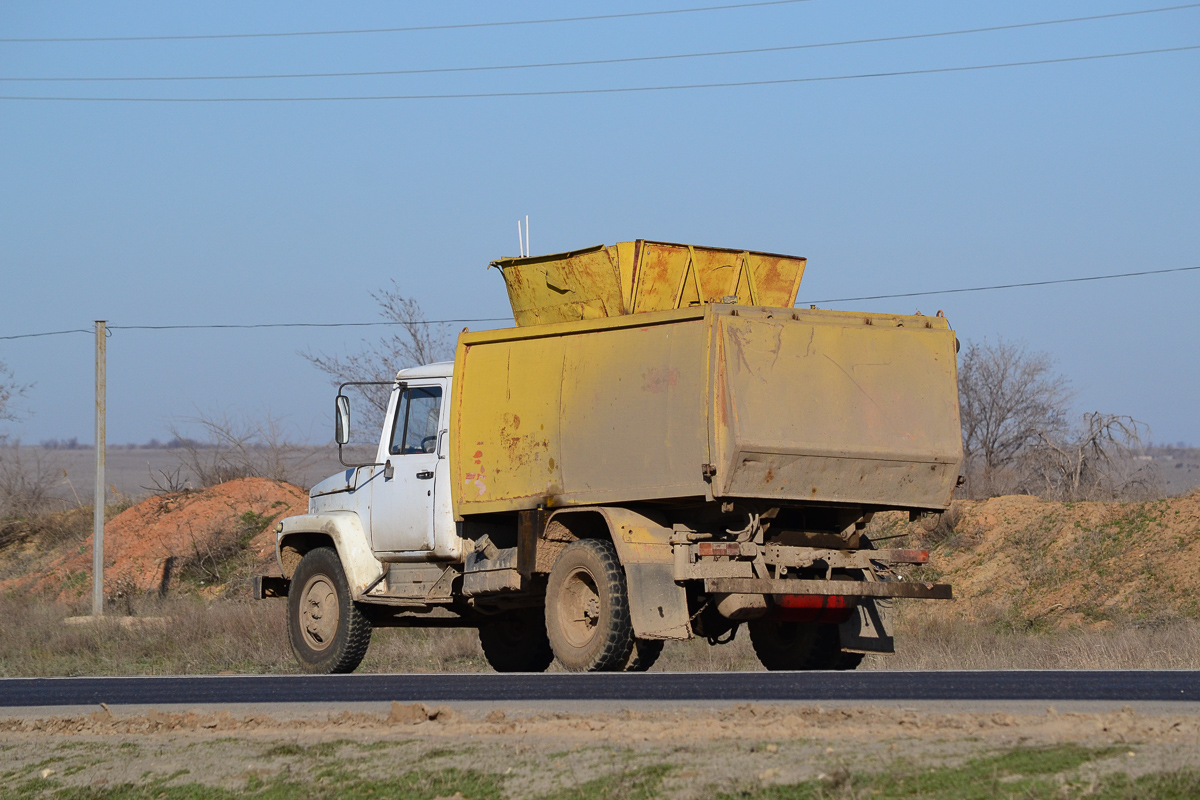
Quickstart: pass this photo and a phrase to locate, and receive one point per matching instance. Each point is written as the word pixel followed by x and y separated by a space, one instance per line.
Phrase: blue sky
pixel 202 213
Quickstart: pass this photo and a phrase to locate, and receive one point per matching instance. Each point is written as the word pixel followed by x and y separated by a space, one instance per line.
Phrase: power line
pixel 258 325
pixel 618 90
pixel 409 29
pixel 46 333
pixel 505 319
pixel 1003 286
pixel 302 325
pixel 601 61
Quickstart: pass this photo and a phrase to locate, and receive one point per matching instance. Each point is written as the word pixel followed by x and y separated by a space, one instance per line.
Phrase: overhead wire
pixel 1024 284
pixel 602 61
pixel 304 324
pixel 616 90
pixel 407 29
pixel 44 333
pixel 1002 286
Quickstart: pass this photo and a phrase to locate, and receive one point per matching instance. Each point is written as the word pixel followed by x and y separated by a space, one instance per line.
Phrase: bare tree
pixel 414 341
pixel 1009 400
pixel 1097 460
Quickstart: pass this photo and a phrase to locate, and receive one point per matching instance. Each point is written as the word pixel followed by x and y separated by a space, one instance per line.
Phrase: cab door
pixel 402 498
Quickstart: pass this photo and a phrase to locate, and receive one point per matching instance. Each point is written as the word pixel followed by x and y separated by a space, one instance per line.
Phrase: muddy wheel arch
pixel 657 604
pixel 341 530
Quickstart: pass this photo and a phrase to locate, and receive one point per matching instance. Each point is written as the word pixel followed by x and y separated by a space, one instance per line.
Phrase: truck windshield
pixel 416 427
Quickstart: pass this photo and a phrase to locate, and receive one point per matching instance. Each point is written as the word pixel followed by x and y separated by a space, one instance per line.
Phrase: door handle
pixel 425 475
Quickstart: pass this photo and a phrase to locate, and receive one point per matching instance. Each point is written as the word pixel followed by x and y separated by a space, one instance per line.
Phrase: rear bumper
pixel 924 591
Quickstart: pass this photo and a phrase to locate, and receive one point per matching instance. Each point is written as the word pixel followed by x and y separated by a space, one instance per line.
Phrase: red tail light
pixel 832 609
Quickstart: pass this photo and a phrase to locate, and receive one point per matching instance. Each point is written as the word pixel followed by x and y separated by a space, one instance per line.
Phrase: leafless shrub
pixel 9 391
pixel 1094 461
pixel 236 447
pixel 416 341
pixel 27 485
pixel 30 507
pixel 167 481
pixel 216 554
pixel 934 530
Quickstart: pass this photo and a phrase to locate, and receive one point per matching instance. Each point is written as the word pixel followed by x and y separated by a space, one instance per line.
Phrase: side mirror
pixel 341 427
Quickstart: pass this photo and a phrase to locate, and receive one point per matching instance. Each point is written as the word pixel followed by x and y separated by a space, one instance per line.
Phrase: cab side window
pixel 416 426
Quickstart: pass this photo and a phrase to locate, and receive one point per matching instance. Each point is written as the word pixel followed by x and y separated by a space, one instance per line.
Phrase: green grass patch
pixel 634 784
pixel 419 785
pixel 1027 773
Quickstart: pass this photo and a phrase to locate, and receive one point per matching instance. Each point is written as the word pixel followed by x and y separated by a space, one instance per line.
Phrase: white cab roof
pixel 440 369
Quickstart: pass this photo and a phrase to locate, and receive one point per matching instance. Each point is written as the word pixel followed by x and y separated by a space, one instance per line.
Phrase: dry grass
pixel 925 641
pixel 186 635
pixel 194 636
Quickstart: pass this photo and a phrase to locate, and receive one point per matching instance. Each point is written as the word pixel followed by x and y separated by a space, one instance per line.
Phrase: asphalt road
pixel 1050 685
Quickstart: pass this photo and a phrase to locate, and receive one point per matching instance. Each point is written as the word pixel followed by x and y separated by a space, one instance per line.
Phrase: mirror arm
pixel 341 389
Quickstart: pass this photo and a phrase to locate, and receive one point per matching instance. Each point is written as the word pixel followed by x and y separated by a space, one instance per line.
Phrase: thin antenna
pixel 528 250
pixel 520 240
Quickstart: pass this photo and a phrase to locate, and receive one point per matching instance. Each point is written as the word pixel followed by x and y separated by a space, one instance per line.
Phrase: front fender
pixel 341 529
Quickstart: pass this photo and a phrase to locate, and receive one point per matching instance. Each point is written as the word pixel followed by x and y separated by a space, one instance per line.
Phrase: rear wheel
pixel 645 652
pixel 799 646
pixel 827 651
pixel 782 645
pixel 515 641
pixel 328 632
pixel 587 609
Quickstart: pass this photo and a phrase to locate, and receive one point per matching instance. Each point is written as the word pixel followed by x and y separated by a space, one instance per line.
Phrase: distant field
pixel 133 470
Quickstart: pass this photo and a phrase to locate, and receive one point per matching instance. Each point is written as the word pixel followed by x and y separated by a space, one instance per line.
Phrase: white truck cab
pixel 403 498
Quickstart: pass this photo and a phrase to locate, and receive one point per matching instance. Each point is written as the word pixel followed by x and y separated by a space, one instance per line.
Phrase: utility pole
pixel 98 507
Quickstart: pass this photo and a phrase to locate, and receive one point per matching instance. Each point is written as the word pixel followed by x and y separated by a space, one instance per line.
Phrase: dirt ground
pixel 684 752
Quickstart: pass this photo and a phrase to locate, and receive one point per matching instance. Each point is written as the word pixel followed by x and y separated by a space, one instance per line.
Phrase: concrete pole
pixel 98 502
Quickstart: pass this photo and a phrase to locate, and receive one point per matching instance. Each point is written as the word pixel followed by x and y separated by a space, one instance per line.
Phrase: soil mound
pixel 210 540
pixel 1027 562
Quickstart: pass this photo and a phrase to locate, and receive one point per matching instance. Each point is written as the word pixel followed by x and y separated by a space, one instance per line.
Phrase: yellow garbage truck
pixel 662 447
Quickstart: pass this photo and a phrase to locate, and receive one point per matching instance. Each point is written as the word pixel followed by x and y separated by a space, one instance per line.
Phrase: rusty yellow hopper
pixel 651 372
pixel 641 276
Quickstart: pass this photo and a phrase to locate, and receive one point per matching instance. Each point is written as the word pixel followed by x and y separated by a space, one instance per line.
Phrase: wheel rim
pixel 579 608
pixel 318 612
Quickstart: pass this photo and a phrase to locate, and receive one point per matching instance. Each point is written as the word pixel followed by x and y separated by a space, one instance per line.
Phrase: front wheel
pixel 587 609
pixel 328 632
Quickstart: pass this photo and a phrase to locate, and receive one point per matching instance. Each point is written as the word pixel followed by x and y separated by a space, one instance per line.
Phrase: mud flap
pixel 657 604
pixel 867 631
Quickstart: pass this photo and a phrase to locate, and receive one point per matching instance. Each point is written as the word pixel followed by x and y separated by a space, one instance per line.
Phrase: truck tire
pixel 645 652
pixel 799 646
pixel 782 645
pixel 329 633
pixel 515 641
pixel 827 651
pixel 587 609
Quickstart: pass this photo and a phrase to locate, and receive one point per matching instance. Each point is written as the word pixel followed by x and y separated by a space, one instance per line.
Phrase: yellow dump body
pixel 709 401
pixel 642 276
